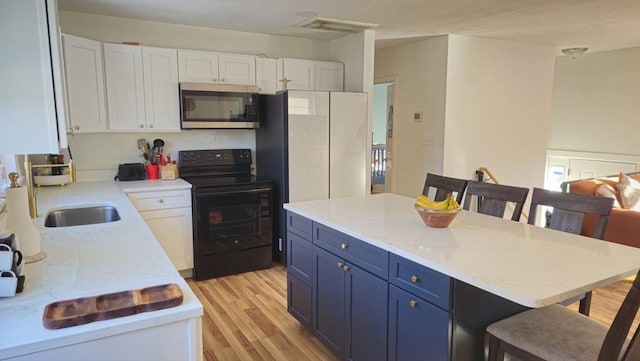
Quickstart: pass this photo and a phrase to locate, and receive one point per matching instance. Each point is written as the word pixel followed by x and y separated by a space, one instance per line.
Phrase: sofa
pixel 624 223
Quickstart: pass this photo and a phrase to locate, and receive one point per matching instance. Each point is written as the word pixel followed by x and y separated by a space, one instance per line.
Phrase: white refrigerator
pixel 312 145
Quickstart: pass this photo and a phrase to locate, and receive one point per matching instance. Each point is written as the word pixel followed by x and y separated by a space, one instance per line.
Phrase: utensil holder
pixel 169 171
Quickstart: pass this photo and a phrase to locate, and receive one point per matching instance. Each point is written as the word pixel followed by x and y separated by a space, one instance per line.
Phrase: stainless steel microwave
pixel 215 106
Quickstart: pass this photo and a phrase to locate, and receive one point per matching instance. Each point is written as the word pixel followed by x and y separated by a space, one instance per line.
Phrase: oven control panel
pixel 203 158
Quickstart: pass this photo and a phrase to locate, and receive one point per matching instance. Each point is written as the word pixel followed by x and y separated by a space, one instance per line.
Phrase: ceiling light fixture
pixel 335 25
pixel 574 52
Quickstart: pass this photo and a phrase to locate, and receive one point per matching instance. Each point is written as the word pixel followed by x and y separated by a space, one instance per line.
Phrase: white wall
pixel 356 52
pixel 484 103
pixel 596 103
pixel 149 33
pixel 97 155
pixel 498 109
pixel 419 70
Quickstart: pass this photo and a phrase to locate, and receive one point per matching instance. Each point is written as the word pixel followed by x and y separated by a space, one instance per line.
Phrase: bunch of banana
pixel 449 203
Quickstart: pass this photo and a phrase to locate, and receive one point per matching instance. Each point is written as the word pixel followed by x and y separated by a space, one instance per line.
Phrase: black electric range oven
pixel 232 212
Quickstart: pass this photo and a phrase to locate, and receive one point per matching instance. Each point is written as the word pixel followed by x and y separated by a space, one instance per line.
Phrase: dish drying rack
pixel 61 179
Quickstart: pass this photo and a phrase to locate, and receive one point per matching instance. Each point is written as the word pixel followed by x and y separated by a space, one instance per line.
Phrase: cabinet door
pixel 125 92
pixel 417 329
pixel 329 76
pixel 172 229
pixel 197 66
pixel 266 75
pixel 85 84
pixel 299 73
pixel 329 300
pixel 299 300
pixel 237 69
pixel 367 307
pixel 160 72
pixel 28 115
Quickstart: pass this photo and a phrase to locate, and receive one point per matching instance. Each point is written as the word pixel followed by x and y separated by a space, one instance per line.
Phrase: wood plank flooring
pixel 245 318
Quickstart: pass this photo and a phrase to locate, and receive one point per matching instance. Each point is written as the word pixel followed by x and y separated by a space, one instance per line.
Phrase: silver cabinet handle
pixel 77 127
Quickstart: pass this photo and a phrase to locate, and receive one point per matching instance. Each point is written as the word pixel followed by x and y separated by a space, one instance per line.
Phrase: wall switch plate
pixel 417 117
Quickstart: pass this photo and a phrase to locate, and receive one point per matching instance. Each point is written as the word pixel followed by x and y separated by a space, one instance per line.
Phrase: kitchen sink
pixel 81 215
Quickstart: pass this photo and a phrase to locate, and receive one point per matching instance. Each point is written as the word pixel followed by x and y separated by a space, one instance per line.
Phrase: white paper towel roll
pixel 19 222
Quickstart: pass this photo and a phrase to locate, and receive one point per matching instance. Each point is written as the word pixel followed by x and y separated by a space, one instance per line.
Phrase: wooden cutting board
pixel 79 311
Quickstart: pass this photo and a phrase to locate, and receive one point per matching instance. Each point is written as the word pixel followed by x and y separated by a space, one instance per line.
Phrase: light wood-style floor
pixel 245 318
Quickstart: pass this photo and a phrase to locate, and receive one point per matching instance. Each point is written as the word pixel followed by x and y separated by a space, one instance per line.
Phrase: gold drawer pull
pixel 344 246
pixel 414 278
pixel 413 303
pixel 340 264
pixel 345 268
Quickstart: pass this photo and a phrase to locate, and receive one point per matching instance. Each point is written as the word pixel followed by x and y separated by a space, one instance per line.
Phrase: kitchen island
pixel 476 271
pixel 96 259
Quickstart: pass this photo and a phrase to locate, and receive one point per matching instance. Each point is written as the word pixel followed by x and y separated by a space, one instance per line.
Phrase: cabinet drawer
pixel 299 225
pixel 299 257
pixel 145 201
pixel 422 281
pixel 362 254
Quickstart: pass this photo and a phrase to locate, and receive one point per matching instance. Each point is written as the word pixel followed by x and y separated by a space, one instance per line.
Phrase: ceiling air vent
pixel 335 25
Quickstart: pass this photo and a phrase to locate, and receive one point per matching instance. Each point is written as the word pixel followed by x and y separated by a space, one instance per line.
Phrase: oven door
pixel 230 220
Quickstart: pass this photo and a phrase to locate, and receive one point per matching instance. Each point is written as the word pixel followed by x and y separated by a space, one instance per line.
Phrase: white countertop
pixel 87 261
pixel 529 265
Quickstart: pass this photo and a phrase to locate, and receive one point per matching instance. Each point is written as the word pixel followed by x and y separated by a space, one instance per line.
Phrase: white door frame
pixel 390 170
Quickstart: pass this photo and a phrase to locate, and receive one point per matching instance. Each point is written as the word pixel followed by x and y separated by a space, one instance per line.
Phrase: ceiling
pixel 596 24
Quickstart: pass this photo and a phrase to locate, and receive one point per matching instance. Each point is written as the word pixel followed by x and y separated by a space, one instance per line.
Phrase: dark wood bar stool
pixel 444 186
pixel 492 198
pixel 557 333
pixel 568 213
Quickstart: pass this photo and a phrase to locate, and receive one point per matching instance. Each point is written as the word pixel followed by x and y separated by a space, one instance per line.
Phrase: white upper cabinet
pixel 85 84
pixel 302 74
pixel 217 68
pixel 266 75
pixel 32 104
pixel 297 73
pixel 125 91
pixel 160 73
pixel 142 88
pixel 237 69
pixel 329 76
pixel 197 66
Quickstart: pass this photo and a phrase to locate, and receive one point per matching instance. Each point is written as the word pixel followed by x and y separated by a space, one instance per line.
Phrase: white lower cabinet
pixel 173 341
pixel 168 215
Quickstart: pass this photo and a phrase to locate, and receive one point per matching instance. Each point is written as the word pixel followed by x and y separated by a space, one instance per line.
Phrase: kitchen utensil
pixel 154 156
pixel 158 143
pixel 142 144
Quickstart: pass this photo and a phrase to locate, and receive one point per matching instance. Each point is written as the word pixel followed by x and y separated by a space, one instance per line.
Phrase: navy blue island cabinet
pixel 366 304
pixel 360 300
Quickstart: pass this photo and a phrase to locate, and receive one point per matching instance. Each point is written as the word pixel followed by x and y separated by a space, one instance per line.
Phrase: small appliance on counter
pixel 130 172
